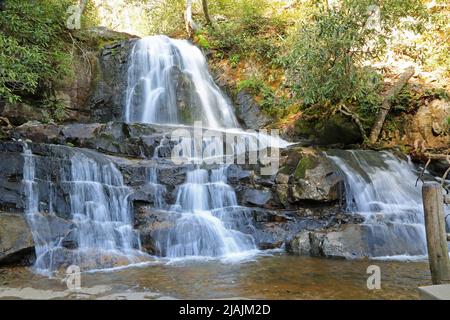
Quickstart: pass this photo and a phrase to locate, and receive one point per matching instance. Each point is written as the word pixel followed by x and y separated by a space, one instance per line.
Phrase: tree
pixel 191 26
pixel 326 65
pixel 206 12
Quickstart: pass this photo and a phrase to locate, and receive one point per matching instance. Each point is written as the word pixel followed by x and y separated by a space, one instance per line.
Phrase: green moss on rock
pixel 305 163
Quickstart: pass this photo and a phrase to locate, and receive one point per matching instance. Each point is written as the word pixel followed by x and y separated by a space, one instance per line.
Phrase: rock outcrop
pixel 249 112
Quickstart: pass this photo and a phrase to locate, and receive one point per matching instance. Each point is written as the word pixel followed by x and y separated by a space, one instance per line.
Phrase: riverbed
pixel 276 276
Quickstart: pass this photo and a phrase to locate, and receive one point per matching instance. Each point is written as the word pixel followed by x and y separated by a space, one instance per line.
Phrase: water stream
pixel 101 233
pixel 382 188
pixel 160 72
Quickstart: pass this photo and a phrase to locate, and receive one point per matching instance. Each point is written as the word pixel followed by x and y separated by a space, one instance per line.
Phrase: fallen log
pixel 386 104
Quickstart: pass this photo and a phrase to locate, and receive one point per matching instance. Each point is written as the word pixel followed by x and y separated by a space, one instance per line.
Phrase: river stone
pixel 257 197
pixel 16 240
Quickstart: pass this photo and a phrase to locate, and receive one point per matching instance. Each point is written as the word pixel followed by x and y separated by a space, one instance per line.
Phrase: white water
pixel 210 221
pixel 382 189
pixel 168 79
pixel 152 96
pixel 99 209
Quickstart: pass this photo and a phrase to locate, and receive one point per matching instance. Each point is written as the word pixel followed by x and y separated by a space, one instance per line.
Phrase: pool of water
pixel 268 277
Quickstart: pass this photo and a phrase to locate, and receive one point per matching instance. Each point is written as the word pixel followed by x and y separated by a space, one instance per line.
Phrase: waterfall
pixel 169 83
pixel 100 217
pixel 211 222
pixel 382 188
pixel 100 208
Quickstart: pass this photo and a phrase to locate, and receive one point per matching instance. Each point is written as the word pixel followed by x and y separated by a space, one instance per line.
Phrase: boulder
pixel 358 241
pixel 16 240
pixel 257 197
pixel 307 175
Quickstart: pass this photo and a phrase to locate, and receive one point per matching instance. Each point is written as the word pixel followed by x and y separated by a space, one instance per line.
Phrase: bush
pixel 34 47
pixel 326 61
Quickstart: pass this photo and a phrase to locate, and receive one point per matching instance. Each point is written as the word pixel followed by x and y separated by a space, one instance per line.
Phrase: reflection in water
pixel 272 277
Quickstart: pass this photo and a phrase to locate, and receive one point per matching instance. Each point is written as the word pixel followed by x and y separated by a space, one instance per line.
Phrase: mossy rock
pixel 337 129
pixel 306 163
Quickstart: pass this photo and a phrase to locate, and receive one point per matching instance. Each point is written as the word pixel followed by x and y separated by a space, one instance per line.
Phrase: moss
pixel 306 163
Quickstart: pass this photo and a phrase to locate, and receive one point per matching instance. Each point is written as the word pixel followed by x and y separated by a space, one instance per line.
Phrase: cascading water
pixel 99 210
pixel 100 207
pixel 382 188
pixel 169 83
pixel 211 221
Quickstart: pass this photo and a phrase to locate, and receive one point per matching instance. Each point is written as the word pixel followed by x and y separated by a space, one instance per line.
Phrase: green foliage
pixel 234 60
pixel 165 17
pixel 201 41
pixel 326 61
pixel 246 30
pixel 33 48
pixel 268 100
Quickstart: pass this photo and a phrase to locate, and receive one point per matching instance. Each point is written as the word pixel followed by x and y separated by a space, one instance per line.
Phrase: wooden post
pixel 433 207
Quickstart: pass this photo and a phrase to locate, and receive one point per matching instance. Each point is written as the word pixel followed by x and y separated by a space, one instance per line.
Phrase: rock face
pixel 107 99
pixel 303 195
pixel 249 112
pixel 11 167
pixel 428 128
pixel 95 93
pixel 16 241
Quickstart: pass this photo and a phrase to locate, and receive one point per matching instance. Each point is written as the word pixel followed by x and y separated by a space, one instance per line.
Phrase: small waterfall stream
pixel 210 219
pixel 102 230
pixel 382 188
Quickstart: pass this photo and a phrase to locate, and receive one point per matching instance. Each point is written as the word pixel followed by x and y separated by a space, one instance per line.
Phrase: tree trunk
pixel 206 12
pixel 433 206
pixel 386 104
pixel 191 27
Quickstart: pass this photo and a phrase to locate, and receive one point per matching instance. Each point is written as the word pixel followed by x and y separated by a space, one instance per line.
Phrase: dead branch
pixel 386 104
pixel 420 177
pixel 191 26
pixel 346 111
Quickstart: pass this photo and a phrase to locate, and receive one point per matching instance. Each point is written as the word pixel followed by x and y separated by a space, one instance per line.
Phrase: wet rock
pixel 107 101
pixel 257 197
pixel 355 241
pixel 16 241
pixel 153 224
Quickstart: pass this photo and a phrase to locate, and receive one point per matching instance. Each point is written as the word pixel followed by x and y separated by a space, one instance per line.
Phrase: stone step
pixel 435 292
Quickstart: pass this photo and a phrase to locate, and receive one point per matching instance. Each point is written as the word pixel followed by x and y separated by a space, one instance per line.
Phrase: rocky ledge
pixel 303 196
